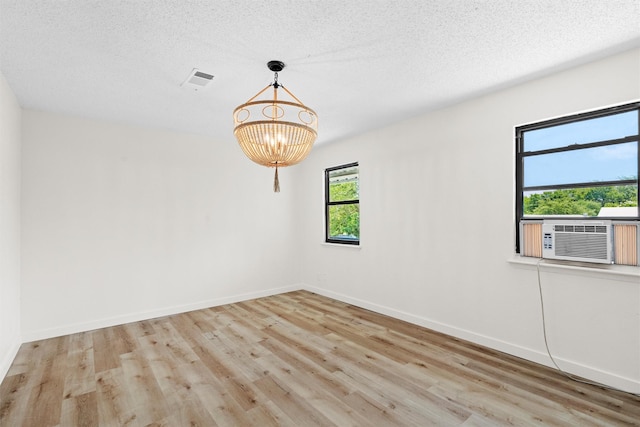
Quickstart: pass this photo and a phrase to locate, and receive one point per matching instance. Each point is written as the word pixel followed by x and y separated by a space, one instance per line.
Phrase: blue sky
pixel 594 164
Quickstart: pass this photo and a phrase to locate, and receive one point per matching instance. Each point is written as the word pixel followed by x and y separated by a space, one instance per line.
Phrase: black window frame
pixel 521 155
pixel 328 203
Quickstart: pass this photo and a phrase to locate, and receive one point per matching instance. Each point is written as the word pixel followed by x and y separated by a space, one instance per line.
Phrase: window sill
pixel 625 273
pixel 341 245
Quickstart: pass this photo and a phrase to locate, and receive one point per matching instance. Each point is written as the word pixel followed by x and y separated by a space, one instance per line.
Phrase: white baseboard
pixel 57 331
pixel 626 384
pixel 8 358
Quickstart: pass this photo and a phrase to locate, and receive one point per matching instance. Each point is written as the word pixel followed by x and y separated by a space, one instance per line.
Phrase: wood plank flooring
pixel 296 359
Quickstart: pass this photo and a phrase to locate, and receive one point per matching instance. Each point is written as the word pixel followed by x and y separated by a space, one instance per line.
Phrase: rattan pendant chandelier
pixel 275 132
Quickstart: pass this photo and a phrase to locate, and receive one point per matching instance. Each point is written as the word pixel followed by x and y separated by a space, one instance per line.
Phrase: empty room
pixel 319 213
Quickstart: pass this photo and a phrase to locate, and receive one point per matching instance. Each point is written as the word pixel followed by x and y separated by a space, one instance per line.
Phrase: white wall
pixel 123 223
pixel 9 226
pixel 437 225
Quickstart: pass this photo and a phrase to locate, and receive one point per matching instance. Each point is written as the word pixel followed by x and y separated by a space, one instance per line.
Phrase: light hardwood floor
pixel 296 359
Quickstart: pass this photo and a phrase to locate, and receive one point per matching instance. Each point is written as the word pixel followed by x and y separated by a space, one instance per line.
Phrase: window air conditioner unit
pixel 587 241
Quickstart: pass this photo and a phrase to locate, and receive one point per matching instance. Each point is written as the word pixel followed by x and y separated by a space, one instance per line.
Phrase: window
pixel 342 204
pixel 585 166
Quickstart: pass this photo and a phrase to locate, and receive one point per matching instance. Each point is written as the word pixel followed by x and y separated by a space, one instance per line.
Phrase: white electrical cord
pixel 546 344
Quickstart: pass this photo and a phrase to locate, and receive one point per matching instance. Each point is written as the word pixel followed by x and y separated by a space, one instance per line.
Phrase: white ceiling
pixel 360 64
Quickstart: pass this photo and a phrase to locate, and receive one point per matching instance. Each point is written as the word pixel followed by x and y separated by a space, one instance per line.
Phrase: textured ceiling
pixel 360 64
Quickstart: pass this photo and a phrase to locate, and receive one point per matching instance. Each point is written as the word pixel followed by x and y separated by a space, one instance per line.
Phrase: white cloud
pixel 616 152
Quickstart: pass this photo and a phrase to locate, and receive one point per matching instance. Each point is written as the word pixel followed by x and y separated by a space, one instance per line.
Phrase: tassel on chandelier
pixel 276 182
pixel 275 132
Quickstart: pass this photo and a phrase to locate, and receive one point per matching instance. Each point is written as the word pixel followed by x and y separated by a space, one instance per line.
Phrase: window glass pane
pixel 343 184
pixel 582 132
pixel 610 201
pixel 608 163
pixel 344 222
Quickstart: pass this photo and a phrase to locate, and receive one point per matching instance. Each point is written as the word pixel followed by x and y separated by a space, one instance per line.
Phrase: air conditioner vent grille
pixel 580 228
pixel 581 245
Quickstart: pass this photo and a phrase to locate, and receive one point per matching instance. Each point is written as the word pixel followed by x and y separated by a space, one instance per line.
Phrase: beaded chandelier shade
pixel 275 132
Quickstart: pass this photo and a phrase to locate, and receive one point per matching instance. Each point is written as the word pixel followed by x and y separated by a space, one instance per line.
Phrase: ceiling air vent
pixel 197 80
